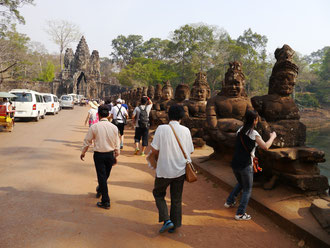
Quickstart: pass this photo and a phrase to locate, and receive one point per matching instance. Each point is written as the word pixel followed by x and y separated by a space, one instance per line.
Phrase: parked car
pixel 52 104
pixel 29 104
pixel 75 98
pixel 66 101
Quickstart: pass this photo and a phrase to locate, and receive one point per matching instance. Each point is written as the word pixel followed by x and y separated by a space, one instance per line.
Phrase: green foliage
pixel 126 48
pixel 307 99
pixel 10 13
pixel 143 71
pixel 48 73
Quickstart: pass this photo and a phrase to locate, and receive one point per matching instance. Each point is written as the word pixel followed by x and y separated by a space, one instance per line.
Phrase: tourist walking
pixel 141 122
pixel 119 117
pixel 124 105
pixel 171 167
pixel 242 163
pixel 106 149
pixel 92 116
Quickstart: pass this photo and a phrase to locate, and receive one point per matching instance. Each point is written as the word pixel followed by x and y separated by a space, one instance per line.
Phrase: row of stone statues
pixel 215 120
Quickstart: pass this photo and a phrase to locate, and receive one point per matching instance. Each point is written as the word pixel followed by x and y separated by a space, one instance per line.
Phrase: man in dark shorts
pixel 141 132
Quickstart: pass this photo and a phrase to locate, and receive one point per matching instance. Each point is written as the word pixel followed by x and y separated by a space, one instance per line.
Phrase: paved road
pixel 47 197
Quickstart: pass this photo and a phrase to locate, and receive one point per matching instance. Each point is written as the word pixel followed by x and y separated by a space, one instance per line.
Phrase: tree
pixel 143 71
pixel 48 72
pixel 126 48
pixel 182 46
pixel 9 12
pixel 13 50
pixel 155 48
pixel 205 41
pixel 254 61
pixel 63 33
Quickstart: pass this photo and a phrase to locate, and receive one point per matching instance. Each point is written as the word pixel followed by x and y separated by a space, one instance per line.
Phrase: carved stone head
pixel 138 94
pixel 144 91
pixel 201 90
pixel 182 92
pixel 167 91
pixel 234 81
pixel 158 92
pixel 284 74
pixel 151 92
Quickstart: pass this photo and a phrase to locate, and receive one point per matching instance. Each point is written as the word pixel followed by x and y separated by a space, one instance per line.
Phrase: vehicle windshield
pixel 22 97
pixel 66 98
pixel 47 98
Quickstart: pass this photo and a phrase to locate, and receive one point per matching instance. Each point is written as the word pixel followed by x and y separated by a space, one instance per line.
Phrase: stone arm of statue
pixel 212 121
pixel 257 103
pixel 157 107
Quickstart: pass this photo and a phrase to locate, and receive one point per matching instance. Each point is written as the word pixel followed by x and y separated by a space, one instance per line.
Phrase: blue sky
pixel 302 24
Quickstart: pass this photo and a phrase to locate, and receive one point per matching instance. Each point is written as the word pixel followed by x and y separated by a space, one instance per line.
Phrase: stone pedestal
pixel 296 166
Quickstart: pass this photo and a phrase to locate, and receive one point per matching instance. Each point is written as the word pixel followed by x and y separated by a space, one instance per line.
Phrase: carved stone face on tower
pixel 167 91
pixel 201 90
pixel 284 74
pixel 181 92
pixel 234 80
pixel 158 92
pixel 151 92
pixel 167 94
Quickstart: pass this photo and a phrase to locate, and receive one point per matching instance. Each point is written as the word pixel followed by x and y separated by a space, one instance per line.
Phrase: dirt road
pixel 47 197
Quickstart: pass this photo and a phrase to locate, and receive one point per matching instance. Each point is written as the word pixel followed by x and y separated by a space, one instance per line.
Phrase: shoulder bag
pixel 191 172
pixel 255 160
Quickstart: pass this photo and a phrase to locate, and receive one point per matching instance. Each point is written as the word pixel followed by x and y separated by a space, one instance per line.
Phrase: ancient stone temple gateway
pixel 81 74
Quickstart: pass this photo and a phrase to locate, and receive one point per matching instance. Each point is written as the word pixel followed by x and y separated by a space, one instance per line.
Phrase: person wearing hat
pixel 92 116
pixel 119 116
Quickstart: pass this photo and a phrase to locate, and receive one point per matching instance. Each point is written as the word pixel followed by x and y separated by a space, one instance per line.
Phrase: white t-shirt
pixel 171 162
pixel 137 111
pixel 116 115
pixel 252 135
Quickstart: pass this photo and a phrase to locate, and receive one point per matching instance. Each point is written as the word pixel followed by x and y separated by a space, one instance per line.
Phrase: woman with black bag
pixel 242 163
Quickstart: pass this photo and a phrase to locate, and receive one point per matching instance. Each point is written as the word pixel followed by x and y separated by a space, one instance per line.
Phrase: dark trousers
pixel 103 165
pixel 141 133
pixel 159 192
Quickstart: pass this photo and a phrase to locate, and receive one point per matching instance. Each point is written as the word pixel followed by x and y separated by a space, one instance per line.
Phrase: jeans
pixel 103 165
pixel 245 181
pixel 159 192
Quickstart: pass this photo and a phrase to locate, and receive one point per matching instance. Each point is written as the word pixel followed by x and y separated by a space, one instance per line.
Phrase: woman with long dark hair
pixel 246 141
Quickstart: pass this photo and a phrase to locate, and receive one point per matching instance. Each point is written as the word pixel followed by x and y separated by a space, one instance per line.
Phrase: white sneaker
pixel 243 217
pixel 229 205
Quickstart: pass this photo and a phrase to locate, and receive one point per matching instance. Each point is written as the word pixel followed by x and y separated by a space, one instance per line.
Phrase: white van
pixel 75 98
pixel 28 104
pixel 52 103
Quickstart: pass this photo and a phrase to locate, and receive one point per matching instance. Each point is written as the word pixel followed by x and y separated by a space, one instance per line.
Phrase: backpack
pixel 143 118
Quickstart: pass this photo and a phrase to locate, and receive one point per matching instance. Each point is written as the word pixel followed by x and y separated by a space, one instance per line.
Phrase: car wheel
pixel 43 116
pixel 36 118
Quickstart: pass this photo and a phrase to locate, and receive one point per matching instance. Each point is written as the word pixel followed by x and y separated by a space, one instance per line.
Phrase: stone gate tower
pixel 81 73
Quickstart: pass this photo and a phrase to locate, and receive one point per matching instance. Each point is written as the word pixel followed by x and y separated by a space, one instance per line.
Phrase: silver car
pixel 66 101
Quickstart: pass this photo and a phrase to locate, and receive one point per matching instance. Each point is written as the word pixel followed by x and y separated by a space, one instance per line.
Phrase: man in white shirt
pixel 171 167
pixel 119 117
pixel 142 126
pixel 106 149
